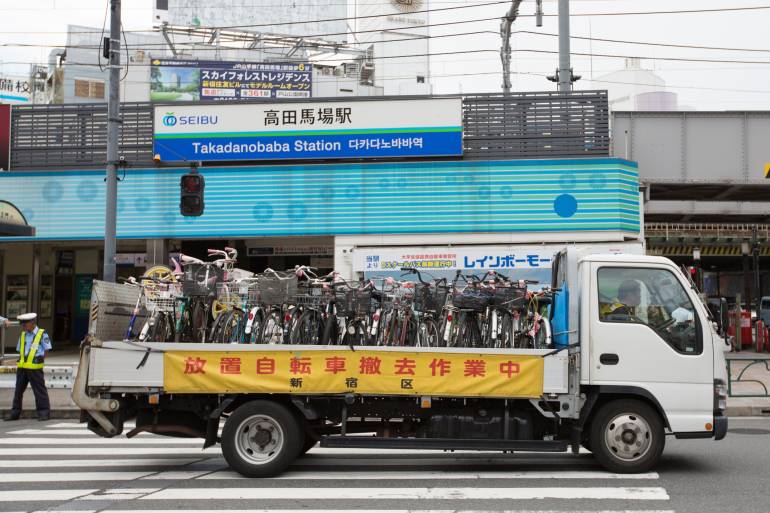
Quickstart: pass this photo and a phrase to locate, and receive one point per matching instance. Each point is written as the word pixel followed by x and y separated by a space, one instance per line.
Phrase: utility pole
pixel 113 133
pixel 505 50
pixel 564 76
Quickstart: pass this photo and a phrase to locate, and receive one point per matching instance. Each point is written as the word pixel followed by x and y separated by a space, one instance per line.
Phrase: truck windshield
pixel 653 297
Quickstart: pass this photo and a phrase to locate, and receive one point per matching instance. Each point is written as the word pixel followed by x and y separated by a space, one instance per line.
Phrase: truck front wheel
pixel 627 436
pixel 261 439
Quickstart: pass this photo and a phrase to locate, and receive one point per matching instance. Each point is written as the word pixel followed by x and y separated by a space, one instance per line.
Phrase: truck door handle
pixel 609 359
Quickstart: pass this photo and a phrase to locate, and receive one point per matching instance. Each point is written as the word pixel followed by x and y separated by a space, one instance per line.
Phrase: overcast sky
pixel 701 85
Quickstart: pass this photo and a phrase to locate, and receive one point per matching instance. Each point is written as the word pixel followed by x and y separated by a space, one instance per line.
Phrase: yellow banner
pixel 364 371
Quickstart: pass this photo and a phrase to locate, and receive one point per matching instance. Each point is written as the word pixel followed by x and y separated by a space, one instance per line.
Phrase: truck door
pixel 646 332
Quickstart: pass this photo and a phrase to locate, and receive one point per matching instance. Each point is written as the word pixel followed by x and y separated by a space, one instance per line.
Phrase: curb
pixel 748 411
pixel 63 413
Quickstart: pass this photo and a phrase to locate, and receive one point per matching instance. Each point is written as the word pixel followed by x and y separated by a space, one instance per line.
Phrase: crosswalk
pixel 60 466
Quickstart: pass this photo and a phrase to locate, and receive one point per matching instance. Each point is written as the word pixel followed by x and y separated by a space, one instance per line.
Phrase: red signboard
pixel 5 137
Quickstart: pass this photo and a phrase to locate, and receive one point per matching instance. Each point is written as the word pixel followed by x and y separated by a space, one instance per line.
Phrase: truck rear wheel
pixel 627 436
pixel 261 439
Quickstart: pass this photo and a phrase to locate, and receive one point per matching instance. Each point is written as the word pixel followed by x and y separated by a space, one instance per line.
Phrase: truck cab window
pixel 653 297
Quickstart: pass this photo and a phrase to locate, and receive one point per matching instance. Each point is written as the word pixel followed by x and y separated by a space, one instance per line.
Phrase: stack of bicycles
pixel 214 302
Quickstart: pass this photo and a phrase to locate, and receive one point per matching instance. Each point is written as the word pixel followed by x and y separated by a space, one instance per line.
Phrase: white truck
pixel 641 361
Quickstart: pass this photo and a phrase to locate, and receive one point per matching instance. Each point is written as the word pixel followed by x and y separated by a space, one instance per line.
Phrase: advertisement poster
pixel 516 262
pixel 189 80
pixel 363 371
pixel 16 295
pixel 309 130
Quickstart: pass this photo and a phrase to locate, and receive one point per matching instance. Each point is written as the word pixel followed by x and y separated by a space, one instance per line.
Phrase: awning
pixel 12 221
pixel 16 230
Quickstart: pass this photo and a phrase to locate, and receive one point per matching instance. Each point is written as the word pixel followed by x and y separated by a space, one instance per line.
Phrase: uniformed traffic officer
pixel 32 346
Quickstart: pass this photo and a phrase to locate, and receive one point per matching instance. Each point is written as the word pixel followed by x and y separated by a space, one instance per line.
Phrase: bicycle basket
pixel 504 296
pixel 311 300
pixel 351 302
pixel 428 298
pixel 276 291
pixel 476 300
pixel 160 301
pixel 231 294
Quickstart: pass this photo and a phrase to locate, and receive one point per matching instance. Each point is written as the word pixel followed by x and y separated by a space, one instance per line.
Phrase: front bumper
pixel 720 427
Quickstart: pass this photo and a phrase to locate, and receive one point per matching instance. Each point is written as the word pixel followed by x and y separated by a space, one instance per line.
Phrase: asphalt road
pixel 59 465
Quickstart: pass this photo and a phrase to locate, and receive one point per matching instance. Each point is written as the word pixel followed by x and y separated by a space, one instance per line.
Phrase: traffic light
pixel 191 198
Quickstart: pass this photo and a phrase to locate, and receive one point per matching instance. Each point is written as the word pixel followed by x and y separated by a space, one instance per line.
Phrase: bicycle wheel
pixel 215 333
pixel 505 330
pixel 330 335
pixel 273 332
pixel 308 329
pixel 200 317
pixel 257 326
pixel 232 327
pixel 468 331
pixel 355 333
pixel 427 333
pixel 186 332
pixel 291 325
pixel 542 336
pixel 161 328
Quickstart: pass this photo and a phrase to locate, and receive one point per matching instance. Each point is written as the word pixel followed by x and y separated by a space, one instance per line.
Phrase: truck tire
pixel 261 439
pixel 627 436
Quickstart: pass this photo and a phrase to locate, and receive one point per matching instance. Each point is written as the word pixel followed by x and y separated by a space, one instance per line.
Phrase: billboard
pixel 192 80
pixel 15 89
pixel 309 130
pixel 516 262
pixel 309 18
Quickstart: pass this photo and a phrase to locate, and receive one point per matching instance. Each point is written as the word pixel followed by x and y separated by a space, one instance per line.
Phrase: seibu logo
pixel 172 120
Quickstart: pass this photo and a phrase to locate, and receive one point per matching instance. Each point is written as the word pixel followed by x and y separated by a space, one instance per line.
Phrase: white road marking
pixel 375 511
pixel 35 495
pixel 118 494
pixel 169 462
pixel 96 440
pixel 35 476
pixel 104 451
pixel 69 432
pixel 442 474
pixel 336 493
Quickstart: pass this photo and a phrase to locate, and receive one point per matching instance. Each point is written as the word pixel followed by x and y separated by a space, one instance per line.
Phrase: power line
pixel 648 43
pixel 586 14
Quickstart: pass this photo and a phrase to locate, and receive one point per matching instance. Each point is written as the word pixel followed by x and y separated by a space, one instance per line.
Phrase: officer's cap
pixel 27 317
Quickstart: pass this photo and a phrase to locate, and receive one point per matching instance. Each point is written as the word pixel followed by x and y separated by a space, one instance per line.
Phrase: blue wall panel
pixel 331 199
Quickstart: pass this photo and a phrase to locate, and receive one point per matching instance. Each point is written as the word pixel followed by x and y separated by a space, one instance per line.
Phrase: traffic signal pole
pixel 113 128
pixel 565 70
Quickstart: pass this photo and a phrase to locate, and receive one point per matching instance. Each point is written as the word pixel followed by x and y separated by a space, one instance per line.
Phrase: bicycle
pixel 460 325
pixel 429 300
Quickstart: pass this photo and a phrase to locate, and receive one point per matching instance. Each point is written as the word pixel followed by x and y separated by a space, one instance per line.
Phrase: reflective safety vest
pixel 27 363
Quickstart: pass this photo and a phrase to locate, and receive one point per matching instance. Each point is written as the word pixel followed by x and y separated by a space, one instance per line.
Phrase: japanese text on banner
pixel 360 371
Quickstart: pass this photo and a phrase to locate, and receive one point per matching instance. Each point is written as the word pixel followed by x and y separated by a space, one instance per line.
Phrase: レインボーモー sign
pixel 309 130
pixel 368 371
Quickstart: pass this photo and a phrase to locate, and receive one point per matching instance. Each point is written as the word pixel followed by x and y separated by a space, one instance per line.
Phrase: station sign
pixel 309 130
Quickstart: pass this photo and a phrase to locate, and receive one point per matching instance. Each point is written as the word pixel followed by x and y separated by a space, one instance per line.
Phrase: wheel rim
pixel 259 440
pixel 628 437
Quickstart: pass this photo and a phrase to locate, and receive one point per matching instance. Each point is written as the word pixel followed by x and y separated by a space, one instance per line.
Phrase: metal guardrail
pixel 751 360
pixel 496 126
pixel 55 376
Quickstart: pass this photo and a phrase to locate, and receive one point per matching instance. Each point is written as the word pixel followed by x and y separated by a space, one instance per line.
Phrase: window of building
pixel 420 79
pixel 654 298
pixel 93 89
